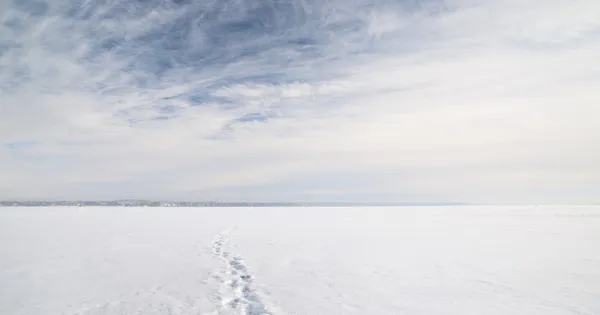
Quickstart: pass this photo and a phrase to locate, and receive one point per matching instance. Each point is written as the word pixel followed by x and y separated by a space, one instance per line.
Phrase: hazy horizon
pixel 283 203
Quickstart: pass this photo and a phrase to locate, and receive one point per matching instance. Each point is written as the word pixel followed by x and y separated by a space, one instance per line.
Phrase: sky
pixel 301 100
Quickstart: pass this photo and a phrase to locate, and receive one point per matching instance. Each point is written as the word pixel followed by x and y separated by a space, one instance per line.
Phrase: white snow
pixel 305 261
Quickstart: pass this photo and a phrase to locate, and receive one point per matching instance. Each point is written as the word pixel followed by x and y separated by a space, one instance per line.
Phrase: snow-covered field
pixel 308 261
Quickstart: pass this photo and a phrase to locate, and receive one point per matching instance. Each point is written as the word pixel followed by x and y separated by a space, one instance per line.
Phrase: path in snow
pixel 237 294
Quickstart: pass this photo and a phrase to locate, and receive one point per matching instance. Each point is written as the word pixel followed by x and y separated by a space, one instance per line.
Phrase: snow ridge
pixel 237 294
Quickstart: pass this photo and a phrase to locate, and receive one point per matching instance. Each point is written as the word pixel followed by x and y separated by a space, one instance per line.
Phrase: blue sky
pixel 301 100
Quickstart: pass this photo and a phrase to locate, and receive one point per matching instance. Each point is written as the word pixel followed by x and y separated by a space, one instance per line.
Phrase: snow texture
pixel 305 261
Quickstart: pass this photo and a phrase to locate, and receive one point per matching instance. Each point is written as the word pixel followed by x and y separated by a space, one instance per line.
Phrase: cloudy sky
pixel 480 101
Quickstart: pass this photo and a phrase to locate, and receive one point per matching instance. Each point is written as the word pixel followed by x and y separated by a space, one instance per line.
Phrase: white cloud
pixel 473 101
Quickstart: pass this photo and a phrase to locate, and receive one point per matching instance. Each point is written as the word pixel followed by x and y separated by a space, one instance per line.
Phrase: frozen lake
pixel 305 261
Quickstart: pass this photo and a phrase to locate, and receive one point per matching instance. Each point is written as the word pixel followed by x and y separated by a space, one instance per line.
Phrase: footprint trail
pixel 237 293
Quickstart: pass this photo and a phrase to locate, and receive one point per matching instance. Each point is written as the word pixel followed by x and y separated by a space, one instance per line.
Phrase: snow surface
pixel 393 260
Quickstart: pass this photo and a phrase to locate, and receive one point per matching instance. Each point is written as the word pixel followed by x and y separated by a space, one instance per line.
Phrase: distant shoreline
pixel 197 204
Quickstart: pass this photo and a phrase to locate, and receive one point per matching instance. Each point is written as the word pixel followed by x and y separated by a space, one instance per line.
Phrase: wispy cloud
pixel 459 100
